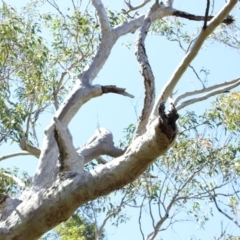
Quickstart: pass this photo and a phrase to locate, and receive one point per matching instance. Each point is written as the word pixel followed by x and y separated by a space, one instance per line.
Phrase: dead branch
pixel 117 90
pixel 228 20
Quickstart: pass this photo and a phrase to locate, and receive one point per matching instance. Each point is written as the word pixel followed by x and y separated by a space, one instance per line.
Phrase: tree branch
pixel 69 160
pixel 227 20
pixel 102 15
pixel 21 184
pixel 101 143
pixel 49 151
pixel 15 155
pixel 23 142
pixel 208 89
pixel 145 70
pixel 134 24
pixel 85 186
pixel 206 15
pixel 24 145
pixel 191 54
pixel 211 94
pixel 117 90
pixel 222 212
pixel 139 219
pixel 131 8
pixel 113 214
pixel 48 160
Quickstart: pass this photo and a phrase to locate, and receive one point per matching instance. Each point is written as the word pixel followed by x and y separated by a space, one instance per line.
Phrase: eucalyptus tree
pixel 36 74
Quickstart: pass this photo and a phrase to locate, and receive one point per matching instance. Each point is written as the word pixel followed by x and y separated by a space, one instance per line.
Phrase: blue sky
pixel 117 112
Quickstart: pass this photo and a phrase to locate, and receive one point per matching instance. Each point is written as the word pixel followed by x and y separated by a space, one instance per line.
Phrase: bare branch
pixel 152 235
pixel 139 218
pixel 49 151
pixel 69 160
pixel 113 214
pixel 34 134
pixel 227 20
pixel 150 212
pixel 114 89
pixel 206 15
pixel 208 89
pixel 108 40
pixel 222 212
pixel 131 8
pixel 134 24
pixel 102 15
pixel 211 94
pixel 145 70
pixel 29 117
pixel 101 143
pixel 191 54
pixel 24 145
pixel 15 155
pixel 197 75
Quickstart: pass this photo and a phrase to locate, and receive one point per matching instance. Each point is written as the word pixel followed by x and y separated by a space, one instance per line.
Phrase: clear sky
pixel 117 112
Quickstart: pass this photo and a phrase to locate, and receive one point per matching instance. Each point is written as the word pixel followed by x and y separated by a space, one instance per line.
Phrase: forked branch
pixel 191 54
pixel 223 86
pixel 209 92
pixel 131 8
pixel 101 143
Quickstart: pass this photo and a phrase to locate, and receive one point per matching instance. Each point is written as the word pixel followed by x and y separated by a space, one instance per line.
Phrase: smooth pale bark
pixel 191 54
pixel 82 93
pixel 57 192
pixel 50 206
pixel 46 171
pixel 100 144
pixel 222 86
pixel 206 96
